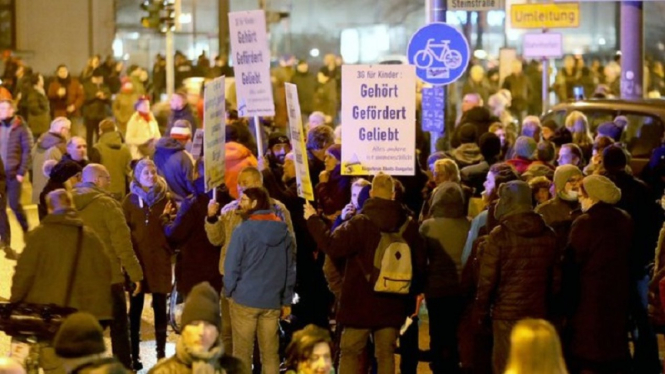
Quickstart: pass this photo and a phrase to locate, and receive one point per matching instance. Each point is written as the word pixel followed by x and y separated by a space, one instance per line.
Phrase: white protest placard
pixel 549 44
pixel 297 137
pixel 214 126
pixel 251 63
pixel 379 118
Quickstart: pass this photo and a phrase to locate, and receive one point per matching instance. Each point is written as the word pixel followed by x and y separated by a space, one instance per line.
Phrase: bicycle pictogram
pixel 450 58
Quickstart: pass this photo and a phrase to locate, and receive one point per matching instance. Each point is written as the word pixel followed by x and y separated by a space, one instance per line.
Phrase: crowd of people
pixel 514 233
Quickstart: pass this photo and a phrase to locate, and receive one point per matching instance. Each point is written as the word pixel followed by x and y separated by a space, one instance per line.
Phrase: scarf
pixel 146 116
pixel 200 362
pixel 154 195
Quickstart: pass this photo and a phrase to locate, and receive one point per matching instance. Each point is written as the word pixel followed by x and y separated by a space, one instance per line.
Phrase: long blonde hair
pixel 578 125
pixel 535 349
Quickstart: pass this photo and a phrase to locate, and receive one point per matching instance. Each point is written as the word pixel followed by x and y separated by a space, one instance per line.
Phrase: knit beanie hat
pixel 514 197
pixel 602 189
pixel 277 138
pixel 79 336
pixel 64 170
pixel 562 175
pixel 614 158
pixel 525 147
pixel 140 165
pixel 610 129
pixel 467 133
pixel 490 146
pixel 202 304
pixel 336 151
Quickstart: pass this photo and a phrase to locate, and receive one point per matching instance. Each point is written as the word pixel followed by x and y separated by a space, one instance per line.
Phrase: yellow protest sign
pixel 540 16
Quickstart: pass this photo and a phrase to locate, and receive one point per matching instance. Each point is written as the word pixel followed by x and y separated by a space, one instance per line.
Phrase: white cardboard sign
pixel 251 63
pixel 379 119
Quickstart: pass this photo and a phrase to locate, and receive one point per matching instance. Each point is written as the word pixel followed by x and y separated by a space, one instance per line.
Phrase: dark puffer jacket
pixel 356 241
pixel 519 269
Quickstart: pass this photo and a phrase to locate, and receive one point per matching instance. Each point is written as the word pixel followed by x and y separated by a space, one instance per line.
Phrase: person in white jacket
pixel 142 130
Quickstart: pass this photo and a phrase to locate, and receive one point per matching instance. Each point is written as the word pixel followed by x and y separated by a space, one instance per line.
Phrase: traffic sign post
pixel 441 55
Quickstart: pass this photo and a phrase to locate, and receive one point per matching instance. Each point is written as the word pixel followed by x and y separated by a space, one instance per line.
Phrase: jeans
pixel 120 326
pixel 14 188
pixel 227 330
pixel 501 330
pixel 249 322
pixel 353 345
pixel 445 314
pixel 161 318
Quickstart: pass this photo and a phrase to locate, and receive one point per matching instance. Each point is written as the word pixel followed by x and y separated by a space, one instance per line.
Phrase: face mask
pixel 569 196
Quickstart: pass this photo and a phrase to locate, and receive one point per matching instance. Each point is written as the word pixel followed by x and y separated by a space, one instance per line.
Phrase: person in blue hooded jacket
pixel 259 278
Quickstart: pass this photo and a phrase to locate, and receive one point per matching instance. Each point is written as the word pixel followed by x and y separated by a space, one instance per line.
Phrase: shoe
pixel 10 254
pixel 137 365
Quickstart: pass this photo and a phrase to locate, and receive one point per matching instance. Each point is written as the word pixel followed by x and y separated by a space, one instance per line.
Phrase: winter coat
pixel 260 266
pixel 105 365
pixel 176 166
pixel 445 235
pixel 123 107
pixel 559 214
pixel 116 157
pixel 43 270
pixel 102 213
pixel 198 259
pixel 636 200
pixel 93 107
pixel 597 282
pixel 219 229
pixel 184 113
pixel 519 269
pixel 140 132
pixel 19 146
pixel 325 98
pixel 183 361
pixel 73 96
pixel 466 155
pixel 356 241
pixel 149 242
pixel 39 111
pixel 237 158
pixel 49 146
pixel 306 83
pixel 333 195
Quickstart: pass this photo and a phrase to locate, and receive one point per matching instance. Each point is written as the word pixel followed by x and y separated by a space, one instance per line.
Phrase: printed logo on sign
pixel 439 52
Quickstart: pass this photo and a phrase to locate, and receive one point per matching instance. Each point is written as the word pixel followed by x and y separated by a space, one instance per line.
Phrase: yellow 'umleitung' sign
pixel 540 16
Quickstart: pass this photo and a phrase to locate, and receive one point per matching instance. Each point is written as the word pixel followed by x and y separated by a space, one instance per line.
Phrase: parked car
pixel 646 122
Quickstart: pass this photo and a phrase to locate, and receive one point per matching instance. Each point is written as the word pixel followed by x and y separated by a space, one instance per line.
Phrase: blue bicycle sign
pixel 439 52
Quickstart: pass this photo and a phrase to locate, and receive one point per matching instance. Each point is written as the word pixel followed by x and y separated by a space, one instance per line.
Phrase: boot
pixel 160 340
pixel 135 338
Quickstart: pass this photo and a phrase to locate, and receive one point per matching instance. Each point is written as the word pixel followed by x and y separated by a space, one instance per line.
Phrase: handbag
pixel 21 319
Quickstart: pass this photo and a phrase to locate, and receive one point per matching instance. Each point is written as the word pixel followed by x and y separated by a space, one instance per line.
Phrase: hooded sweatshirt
pixel 237 158
pixel 445 235
pixel 175 165
pixel 49 146
pixel 259 271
